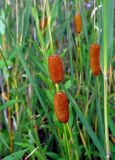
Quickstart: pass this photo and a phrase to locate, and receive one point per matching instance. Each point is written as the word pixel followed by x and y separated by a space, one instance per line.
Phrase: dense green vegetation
pixel 29 128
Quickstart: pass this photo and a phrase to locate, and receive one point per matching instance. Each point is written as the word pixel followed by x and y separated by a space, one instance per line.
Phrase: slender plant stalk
pixel 70 133
pixel 9 120
pixel 17 33
pixel 106 120
pixel 16 104
pixel 98 111
pixel 84 142
pixel 10 130
pixel 57 87
pixel 16 63
pixel 105 79
pixel 67 143
pixel 78 48
pixel 49 25
pixel 70 56
pixel 7 98
pixel 77 5
pixel 22 26
pixel 80 54
pixel 94 21
pixel 4 42
pixel 96 124
pixel 101 126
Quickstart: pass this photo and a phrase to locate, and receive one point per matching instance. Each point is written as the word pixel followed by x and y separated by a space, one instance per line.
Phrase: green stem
pixel 70 56
pixel 49 25
pixel 70 133
pixel 101 126
pixel 16 104
pixel 106 121
pixel 9 120
pixel 17 20
pixel 66 139
pixel 84 142
pixel 57 87
pixel 105 78
pixel 105 34
pixel 80 56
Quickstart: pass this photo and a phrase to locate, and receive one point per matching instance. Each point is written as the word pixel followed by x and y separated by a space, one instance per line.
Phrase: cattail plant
pixel 55 67
pixel 95 59
pixel 78 28
pixel 78 23
pixel 61 107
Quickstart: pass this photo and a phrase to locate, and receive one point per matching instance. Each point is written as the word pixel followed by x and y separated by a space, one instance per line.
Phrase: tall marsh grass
pixel 29 128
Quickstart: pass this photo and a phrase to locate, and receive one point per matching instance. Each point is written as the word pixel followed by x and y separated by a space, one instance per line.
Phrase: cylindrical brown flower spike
pixel 95 59
pixel 43 23
pixel 78 22
pixel 61 107
pixel 55 67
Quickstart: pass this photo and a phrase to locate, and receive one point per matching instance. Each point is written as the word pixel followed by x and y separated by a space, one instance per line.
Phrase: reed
pixel 56 98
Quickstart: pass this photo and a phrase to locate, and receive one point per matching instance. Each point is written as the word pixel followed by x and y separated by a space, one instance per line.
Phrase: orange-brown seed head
pixel 95 59
pixel 78 22
pixel 61 107
pixel 55 67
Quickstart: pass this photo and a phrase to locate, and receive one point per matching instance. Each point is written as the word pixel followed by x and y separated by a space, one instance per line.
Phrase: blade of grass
pixel 9 103
pixel 100 118
pixel 84 20
pixel 108 23
pixel 27 13
pixel 107 47
pixel 16 155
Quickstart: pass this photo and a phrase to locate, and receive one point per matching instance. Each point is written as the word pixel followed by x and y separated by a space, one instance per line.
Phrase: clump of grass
pixel 30 83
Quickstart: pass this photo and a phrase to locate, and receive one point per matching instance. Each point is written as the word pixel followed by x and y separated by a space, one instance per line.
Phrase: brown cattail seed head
pixel 43 23
pixel 95 59
pixel 55 67
pixel 78 23
pixel 61 107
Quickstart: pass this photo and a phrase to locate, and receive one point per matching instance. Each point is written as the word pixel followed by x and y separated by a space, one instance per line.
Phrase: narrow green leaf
pixel 2 25
pixel 24 145
pixel 27 13
pixel 9 104
pixel 109 36
pixel 3 64
pixel 54 9
pixel 52 155
pixel 16 155
pixel 3 140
